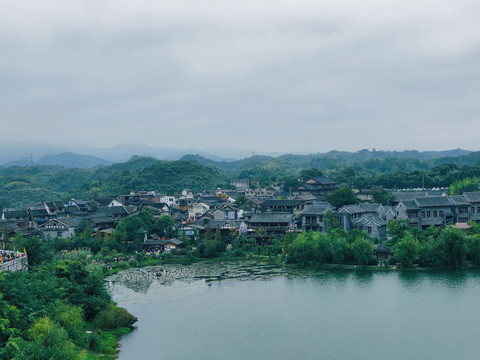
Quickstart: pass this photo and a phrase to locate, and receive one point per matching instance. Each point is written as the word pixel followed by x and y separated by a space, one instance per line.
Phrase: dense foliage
pixel 45 313
pixel 364 169
pixel 24 185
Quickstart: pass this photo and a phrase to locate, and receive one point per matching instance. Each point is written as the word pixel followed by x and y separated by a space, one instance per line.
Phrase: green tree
pixel 208 234
pixel 338 247
pixel 331 223
pixel 453 243
pixel 84 227
pixel 473 248
pixel 464 185
pixel 342 196
pixel 432 253
pixel 37 249
pixel 381 196
pixel 310 173
pixel 362 250
pixel 51 341
pixel 287 240
pixel 218 235
pixel 289 183
pixel 406 250
pixel 130 229
pixel 164 226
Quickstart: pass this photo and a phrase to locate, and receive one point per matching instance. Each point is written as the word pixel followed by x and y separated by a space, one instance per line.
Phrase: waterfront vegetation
pixel 60 309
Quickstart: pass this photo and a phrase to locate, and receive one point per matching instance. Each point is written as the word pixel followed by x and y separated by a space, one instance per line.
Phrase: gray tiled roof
pixel 67 221
pixel 433 201
pixel 459 200
pixel 352 209
pixel 293 202
pixel 317 209
pixel 472 196
pixel 12 214
pixel 407 195
pixel 410 205
pixel 112 210
pixel 323 180
pixel 370 207
pixel 271 218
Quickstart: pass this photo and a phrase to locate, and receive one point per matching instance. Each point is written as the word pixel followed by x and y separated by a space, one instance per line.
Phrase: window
pixel 434 213
pixel 428 214
pixel 423 214
pixel 369 230
pixel 473 210
pixel 440 213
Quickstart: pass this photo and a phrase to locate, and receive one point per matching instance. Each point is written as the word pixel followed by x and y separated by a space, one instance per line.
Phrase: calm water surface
pixel 260 311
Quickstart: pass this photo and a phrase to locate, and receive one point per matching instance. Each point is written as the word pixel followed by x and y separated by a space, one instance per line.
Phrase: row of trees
pixel 338 247
pixel 435 247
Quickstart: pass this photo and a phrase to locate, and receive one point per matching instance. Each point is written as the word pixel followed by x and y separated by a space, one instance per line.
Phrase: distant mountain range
pixel 89 157
pixel 22 154
pixel 66 159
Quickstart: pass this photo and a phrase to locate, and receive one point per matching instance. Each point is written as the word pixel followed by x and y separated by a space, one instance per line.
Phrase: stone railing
pixel 19 264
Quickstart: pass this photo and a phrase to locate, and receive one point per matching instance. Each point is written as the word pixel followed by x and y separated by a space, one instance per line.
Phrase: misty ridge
pixel 225 159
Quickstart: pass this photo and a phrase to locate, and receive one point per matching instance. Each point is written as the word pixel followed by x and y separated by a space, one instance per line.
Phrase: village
pixel 243 211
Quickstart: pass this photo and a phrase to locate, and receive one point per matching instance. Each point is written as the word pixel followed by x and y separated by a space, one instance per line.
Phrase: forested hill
pixel 377 161
pixel 23 185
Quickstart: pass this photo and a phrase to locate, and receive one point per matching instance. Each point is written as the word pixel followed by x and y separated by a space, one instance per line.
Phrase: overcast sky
pixel 283 76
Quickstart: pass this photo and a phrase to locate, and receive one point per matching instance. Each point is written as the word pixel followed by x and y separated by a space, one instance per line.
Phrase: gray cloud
pixel 271 76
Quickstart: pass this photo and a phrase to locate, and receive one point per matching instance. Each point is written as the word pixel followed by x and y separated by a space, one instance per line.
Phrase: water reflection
pixel 141 280
pixel 363 277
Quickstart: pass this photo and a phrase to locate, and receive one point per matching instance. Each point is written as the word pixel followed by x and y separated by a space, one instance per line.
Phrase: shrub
pixel 113 318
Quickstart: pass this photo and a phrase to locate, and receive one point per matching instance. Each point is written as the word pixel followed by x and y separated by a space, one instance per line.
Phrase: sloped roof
pixel 174 241
pixel 104 201
pixel 472 196
pixel 459 200
pixel 67 221
pixel 409 204
pixel 293 202
pixel 271 218
pixel 39 212
pixel 55 205
pixel 351 209
pixel 112 210
pixel 220 223
pixel 320 208
pixel 433 201
pixel 323 180
pixel 12 214
pixel 370 218
pixel 371 207
pixel 407 195
pixel 101 219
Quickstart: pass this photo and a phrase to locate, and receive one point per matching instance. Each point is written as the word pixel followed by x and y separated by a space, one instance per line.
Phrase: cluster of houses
pixel 270 210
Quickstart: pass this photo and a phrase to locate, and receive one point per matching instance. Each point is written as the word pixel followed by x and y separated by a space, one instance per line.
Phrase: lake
pixel 250 310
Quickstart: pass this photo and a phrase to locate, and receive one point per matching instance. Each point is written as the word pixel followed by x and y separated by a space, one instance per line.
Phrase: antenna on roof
pixel 31 159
